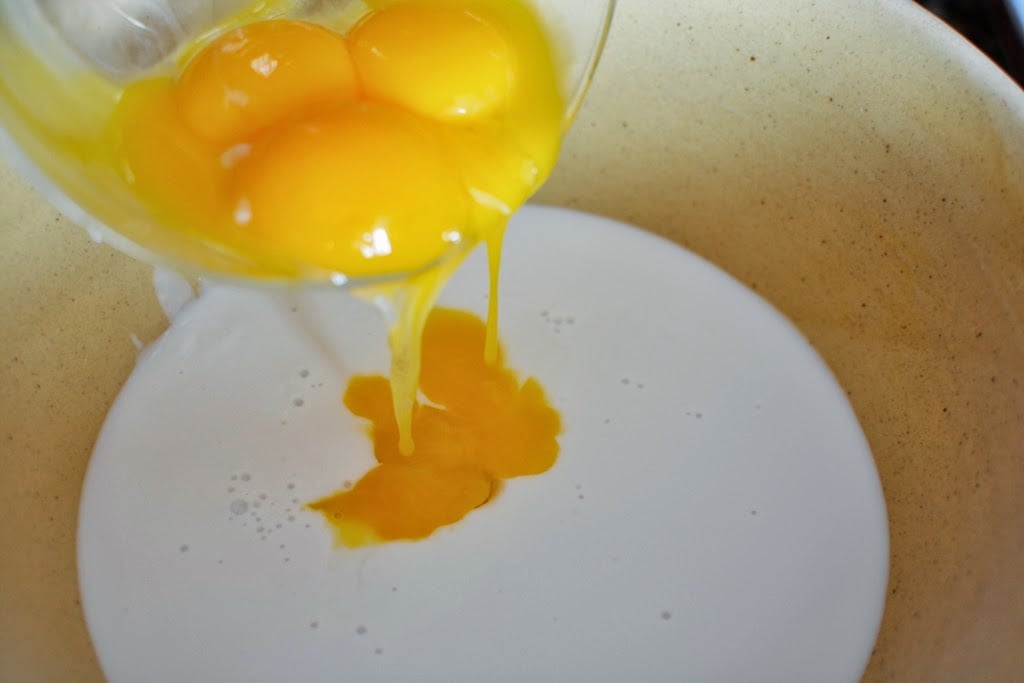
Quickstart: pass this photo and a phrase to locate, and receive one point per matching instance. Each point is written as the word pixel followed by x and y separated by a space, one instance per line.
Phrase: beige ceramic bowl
pixel 857 164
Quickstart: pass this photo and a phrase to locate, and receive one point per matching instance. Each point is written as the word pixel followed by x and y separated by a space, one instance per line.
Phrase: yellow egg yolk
pixel 398 52
pixel 256 76
pixel 380 153
pixel 180 176
pixel 482 425
pixel 360 188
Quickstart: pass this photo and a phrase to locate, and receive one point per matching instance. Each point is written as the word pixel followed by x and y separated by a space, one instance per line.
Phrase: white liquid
pixel 173 291
pixel 714 509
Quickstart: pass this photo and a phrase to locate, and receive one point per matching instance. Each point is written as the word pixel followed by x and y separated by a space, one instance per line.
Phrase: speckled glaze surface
pixel 859 165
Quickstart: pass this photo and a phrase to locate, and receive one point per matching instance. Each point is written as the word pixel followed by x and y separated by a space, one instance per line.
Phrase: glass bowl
pixel 58 57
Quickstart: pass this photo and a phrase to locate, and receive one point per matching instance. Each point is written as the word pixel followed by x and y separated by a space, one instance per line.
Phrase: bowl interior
pixel 859 166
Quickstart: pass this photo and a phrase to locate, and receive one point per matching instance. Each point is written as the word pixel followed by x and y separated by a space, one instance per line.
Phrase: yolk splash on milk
pixel 480 424
pixel 375 153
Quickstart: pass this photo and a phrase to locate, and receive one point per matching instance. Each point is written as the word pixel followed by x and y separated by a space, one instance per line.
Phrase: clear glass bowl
pixel 62 64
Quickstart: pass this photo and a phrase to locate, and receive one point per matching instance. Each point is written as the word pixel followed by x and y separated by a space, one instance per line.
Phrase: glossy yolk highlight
pixel 482 425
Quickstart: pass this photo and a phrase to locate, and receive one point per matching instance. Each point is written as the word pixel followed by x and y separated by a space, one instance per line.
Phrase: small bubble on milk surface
pixel 270 510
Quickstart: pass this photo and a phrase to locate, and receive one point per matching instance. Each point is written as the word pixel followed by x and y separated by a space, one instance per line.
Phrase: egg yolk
pixel 256 76
pixel 163 160
pixel 361 188
pixel 398 52
pixel 482 425
pixel 379 153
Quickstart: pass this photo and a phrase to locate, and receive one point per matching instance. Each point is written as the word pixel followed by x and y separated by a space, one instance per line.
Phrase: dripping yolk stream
pixel 480 425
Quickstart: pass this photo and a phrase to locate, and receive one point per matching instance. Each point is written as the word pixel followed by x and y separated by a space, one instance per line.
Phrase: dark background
pixel 988 25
